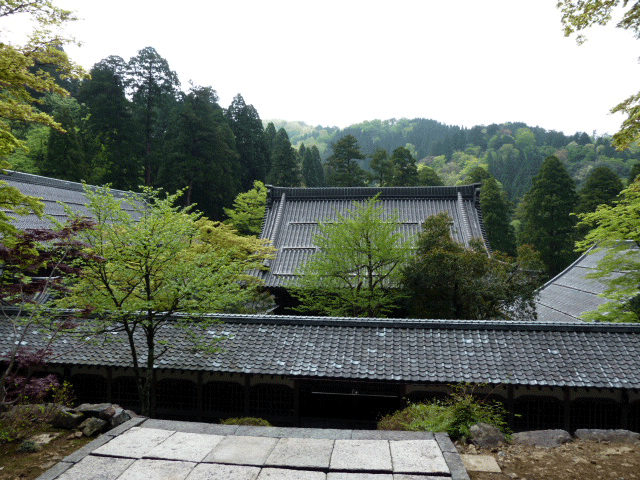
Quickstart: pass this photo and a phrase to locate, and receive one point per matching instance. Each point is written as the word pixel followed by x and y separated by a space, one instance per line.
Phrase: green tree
pixel 24 78
pixel 248 210
pixel 110 122
pixel 579 15
pixel 250 141
pixel 200 154
pixel 547 223
pixel 382 168
pixel 344 171
pixel 616 230
pixel 448 280
pixel 355 269
pixel 154 262
pixel 602 186
pixel 427 176
pixel 285 170
pixel 496 217
pixel 405 172
pixel 312 167
pixel 153 86
pixel 635 171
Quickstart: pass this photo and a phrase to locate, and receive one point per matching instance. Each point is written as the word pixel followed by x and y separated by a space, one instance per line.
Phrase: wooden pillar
pixel 109 384
pixel 624 409
pixel 247 392
pixel 567 408
pixel 511 406
pixel 402 400
pixel 296 402
pixel 152 393
pixel 199 399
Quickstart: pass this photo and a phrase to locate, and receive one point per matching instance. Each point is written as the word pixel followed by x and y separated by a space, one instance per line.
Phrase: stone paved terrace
pixel 159 449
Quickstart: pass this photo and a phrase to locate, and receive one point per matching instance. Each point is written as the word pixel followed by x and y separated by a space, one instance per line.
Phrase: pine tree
pixel 427 177
pixel 285 171
pixel 495 214
pixel 250 141
pixel 547 222
pixel 602 186
pixel 344 171
pixel 405 172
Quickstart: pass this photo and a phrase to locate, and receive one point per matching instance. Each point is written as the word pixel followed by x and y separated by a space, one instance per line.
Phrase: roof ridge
pixel 365 192
pixel 31 179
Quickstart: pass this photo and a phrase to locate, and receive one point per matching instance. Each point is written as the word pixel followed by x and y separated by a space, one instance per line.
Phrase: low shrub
pixel 455 415
pixel 246 421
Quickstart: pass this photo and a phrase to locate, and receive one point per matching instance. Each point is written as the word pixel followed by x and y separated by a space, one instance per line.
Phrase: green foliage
pixel 382 168
pixel 496 217
pixel 248 210
pixel 285 170
pixel 616 230
pixel 447 280
pixel 579 15
pixel 427 176
pixel 312 170
pixel 29 446
pixel 455 415
pixel 355 269
pixel 246 421
pixel 343 169
pixel 602 186
pixel 156 261
pixel 14 202
pixel 547 223
pixel 405 172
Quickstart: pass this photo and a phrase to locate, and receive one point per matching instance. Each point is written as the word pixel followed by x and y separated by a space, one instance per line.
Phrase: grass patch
pixel 246 421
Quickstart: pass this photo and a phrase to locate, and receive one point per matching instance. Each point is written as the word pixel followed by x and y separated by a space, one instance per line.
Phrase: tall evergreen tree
pixel 285 171
pixel 427 177
pixel 111 123
pixel 601 186
pixel 382 168
pixel 250 141
pixel 154 88
pixel 405 171
pixel 200 154
pixel 344 171
pixel 547 223
pixel 312 167
pixel 495 214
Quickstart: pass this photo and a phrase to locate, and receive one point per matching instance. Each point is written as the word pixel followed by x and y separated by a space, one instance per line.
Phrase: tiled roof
pixel 293 214
pixel 570 294
pixel 414 351
pixel 50 191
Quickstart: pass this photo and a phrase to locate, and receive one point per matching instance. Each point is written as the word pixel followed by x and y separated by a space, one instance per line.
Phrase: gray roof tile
pixel 293 214
pixel 425 351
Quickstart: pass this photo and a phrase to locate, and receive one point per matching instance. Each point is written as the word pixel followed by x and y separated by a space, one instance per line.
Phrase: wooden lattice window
pixel 538 413
pixel 271 400
pixel 223 397
pixel 175 393
pixel 89 388
pixel 595 413
pixel 124 392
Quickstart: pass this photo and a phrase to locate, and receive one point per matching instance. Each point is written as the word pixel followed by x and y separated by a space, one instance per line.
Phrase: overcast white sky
pixel 460 62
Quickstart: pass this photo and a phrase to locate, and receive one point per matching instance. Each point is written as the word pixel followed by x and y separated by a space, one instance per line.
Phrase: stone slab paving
pixel 366 455
pixel 134 443
pixel 242 450
pixel 157 470
pixel 310 453
pixel 284 474
pixel 190 447
pixel 418 456
pixel 98 468
pixel 210 471
pixel 143 449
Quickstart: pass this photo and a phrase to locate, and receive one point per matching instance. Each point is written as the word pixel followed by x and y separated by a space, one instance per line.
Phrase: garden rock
pixel 614 436
pixel 542 438
pixel 67 418
pixel 100 410
pixel 484 435
pixel 93 425
pixel 119 417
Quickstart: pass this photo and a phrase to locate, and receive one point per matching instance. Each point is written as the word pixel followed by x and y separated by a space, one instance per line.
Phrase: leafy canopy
pixel 448 280
pixel 355 270
pixel 248 210
pixel 156 259
pixel 617 232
